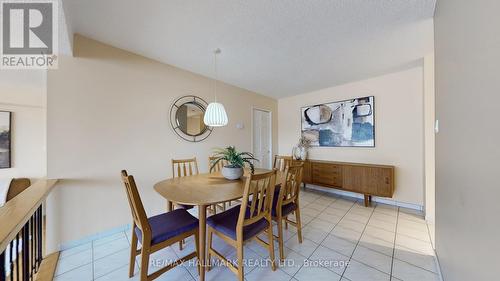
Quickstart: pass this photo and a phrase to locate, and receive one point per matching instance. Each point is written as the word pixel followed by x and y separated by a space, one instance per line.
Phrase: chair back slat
pixel 281 162
pixel 259 189
pixel 218 167
pixel 138 213
pixel 291 184
pixel 184 167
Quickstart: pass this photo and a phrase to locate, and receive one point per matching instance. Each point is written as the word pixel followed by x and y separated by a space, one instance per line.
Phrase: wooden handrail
pixel 16 212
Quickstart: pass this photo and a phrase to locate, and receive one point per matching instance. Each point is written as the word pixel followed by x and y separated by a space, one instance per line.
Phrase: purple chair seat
pixel 225 222
pixel 168 225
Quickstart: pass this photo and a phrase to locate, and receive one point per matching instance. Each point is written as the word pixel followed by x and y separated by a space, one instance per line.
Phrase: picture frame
pixel 5 139
pixel 345 123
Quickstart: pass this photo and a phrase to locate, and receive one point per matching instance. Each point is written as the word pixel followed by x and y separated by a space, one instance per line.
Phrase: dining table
pixel 203 190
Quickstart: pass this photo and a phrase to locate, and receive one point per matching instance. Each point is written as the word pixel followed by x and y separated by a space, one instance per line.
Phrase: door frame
pixel 270 135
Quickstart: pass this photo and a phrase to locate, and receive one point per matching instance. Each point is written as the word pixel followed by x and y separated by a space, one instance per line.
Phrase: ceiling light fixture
pixel 215 115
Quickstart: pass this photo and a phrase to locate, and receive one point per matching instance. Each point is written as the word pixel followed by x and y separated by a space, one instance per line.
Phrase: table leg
pixel 202 217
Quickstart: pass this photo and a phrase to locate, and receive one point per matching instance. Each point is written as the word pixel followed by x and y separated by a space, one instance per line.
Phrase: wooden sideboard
pixel 367 179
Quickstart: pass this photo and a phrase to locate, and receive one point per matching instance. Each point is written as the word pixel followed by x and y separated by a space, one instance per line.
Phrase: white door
pixel 262 135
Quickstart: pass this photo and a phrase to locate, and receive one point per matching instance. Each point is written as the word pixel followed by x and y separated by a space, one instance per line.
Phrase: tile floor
pixel 343 240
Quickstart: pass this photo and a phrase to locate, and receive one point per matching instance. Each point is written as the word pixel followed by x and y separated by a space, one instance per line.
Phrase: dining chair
pixel 184 168
pixel 215 169
pixel 17 186
pixel 286 202
pixel 157 232
pixel 246 221
pixel 281 162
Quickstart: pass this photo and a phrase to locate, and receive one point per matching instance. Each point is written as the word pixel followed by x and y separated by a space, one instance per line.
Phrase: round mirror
pixel 189 117
pixel 186 118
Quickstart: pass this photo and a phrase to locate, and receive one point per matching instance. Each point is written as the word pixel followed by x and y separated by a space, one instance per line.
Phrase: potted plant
pixel 235 162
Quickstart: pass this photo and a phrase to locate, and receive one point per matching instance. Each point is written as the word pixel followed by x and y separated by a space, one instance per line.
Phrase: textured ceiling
pixel 276 48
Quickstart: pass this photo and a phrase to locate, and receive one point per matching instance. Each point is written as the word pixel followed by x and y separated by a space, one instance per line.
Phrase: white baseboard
pixel 360 196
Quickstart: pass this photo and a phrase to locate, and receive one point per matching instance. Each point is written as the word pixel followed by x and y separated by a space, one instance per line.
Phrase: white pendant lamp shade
pixel 215 115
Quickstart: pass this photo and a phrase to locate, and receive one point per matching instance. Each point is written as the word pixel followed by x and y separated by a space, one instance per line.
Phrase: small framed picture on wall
pixel 5 139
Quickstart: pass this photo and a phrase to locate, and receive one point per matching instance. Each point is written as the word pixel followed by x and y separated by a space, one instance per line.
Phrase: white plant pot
pixel 232 173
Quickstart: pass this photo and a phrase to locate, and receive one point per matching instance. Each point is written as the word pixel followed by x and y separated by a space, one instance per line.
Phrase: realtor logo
pixel 29 34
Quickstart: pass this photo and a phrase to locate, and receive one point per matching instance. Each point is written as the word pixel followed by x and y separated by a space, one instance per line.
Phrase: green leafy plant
pixel 234 158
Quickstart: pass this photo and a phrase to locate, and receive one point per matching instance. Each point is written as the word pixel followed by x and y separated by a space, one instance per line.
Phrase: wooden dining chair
pixel 156 233
pixel 281 162
pixel 286 202
pixel 246 221
pixel 215 169
pixel 184 168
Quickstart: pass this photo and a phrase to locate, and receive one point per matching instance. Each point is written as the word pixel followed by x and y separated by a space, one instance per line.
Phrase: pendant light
pixel 215 115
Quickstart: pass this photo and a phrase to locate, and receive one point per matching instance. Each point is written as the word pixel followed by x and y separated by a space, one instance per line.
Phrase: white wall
pixel 398 127
pixel 23 92
pixel 108 111
pixel 467 145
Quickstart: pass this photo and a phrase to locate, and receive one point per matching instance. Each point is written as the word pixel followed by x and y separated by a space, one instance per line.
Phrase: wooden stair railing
pixel 21 221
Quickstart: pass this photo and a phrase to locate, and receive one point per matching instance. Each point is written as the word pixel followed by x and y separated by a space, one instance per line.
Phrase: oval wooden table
pixel 202 190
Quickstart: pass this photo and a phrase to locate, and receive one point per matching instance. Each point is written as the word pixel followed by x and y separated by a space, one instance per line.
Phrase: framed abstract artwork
pixel 5 137
pixel 348 123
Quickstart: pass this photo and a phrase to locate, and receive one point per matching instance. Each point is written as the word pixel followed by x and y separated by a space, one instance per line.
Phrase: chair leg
pixel 286 223
pixel 133 251
pixel 209 247
pixel 239 249
pixel 181 244
pixel 280 238
pixel 144 262
pixel 271 243
pixel 196 242
pixel 299 223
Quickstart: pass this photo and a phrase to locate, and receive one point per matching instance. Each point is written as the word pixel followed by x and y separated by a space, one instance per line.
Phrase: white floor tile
pixel 340 245
pixel 316 274
pixel 357 226
pixel 334 261
pixel 292 263
pixel 71 262
pixel 414 244
pixel 373 259
pixel 359 272
pixel 266 274
pixel 107 239
pixel 75 250
pixel 101 250
pixel 416 258
pixel 306 248
pixel 386 225
pixel 111 263
pixel 408 272
pixel 314 234
pixel 120 274
pixel 82 273
pixel 380 233
pixel 376 244
pixel 347 234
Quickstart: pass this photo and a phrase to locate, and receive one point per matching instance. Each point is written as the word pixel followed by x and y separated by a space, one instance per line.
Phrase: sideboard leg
pixel 367 200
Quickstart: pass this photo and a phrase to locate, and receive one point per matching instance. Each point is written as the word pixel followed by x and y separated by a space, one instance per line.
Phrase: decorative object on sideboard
pixel 348 123
pixel 5 139
pixel 235 162
pixel 299 151
pixel 186 118
pixel 215 116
